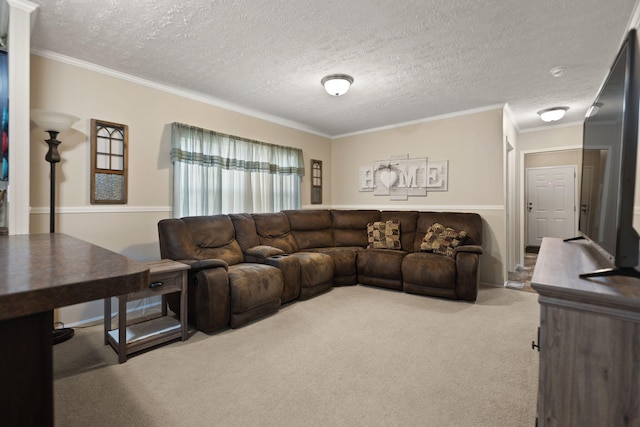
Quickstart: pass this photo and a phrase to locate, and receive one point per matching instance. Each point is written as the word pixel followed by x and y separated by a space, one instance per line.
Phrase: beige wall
pixel 551 138
pixel 553 158
pixel 473 145
pixel 130 229
pixel 148 112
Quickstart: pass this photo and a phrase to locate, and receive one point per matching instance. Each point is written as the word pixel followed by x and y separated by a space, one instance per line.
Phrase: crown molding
pixel 424 120
pixel 551 127
pixel 24 5
pixel 194 96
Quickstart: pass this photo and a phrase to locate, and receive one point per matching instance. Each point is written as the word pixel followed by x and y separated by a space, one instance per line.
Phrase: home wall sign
pixel 401 177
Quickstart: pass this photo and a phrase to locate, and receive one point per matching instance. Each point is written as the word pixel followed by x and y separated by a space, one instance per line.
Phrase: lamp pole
pixel 53 157
pixel 53 123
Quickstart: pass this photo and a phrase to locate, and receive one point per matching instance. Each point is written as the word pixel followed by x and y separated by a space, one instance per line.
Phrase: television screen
pixel 609 161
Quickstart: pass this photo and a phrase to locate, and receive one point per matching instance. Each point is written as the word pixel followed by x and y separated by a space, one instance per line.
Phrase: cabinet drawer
pixel 159 284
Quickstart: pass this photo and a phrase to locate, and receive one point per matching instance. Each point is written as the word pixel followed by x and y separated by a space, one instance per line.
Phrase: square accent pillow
pixel 384 234
pixel 442 240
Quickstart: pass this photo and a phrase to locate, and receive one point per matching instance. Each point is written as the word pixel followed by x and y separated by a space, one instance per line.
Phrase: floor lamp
pixel 53 123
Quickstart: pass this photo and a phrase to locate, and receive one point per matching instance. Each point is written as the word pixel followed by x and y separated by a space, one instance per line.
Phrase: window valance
pixel 207 148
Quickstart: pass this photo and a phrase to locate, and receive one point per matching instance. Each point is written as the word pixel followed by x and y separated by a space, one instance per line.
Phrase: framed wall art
pixel 109 143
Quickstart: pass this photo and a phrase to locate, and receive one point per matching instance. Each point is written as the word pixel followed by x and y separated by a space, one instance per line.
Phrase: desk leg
pixel 26 370
pixel 122 329
pixel 107 319
pixel 183 306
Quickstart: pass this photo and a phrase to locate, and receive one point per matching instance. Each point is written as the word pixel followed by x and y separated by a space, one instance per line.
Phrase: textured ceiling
pixel 410 59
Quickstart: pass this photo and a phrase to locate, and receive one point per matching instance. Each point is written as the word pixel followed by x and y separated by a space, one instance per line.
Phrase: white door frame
pixel 521 184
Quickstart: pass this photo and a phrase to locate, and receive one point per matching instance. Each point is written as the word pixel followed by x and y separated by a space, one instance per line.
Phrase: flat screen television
pixel 609 157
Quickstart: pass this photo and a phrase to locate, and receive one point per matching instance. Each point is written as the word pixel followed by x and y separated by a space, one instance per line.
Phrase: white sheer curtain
pixel 216 173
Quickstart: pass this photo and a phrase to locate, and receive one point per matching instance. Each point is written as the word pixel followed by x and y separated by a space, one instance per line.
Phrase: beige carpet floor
pixel 355 356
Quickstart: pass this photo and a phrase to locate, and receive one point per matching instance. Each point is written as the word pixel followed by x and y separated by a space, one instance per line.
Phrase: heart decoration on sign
pixel 388 177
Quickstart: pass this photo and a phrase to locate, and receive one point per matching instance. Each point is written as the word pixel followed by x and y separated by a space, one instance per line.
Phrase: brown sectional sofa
pixel 244 266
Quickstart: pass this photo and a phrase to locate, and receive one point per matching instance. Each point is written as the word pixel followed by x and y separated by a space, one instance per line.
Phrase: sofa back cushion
pixel 350 227
pixel 274 230
pixel 246 233
pixel 214 237
pixel 471 223
pixel 311 228
pixel 408 221
pixel 175 240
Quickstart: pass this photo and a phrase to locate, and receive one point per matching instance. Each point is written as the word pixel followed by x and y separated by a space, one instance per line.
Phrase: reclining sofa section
pixel 244 266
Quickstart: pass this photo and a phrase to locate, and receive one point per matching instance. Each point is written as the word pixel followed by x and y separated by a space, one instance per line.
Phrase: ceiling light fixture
pixel 593 110
pixel 337 84
pixel 552 114
pixel 558 71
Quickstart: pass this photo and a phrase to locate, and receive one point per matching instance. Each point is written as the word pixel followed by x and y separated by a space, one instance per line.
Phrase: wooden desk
pixel 38 273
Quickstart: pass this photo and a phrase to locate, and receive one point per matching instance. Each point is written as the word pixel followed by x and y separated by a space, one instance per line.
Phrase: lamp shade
pixel 51 120
pixel 337 84
pixel 552 114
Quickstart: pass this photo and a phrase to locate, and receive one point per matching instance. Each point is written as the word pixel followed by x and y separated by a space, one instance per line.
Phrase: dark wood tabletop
pixel 40 272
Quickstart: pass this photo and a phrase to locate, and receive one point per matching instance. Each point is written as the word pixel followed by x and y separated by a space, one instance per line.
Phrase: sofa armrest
pixel 474 249
pixel 260 253
pixel 208 294
pixel 468 272
pixel 202 264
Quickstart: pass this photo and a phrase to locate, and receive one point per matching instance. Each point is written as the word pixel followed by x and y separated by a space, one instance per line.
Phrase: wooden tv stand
pixel 589 339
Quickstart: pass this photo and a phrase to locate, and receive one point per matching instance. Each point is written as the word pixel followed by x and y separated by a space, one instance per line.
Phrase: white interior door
pixel 551 203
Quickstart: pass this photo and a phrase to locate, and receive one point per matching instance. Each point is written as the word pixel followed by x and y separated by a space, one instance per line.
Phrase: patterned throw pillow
pixel 384 234
pixel 442 240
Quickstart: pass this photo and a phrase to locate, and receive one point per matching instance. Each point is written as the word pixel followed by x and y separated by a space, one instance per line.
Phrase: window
pixel 216 173
pixel 108 162
pixel 316 182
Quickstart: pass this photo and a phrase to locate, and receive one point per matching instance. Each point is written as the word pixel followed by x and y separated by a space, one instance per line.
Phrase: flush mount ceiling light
pixel 552 114
pixel 336 84
pixel 558 71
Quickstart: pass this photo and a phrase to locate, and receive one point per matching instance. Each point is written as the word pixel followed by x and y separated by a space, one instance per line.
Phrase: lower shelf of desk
pixel 146 334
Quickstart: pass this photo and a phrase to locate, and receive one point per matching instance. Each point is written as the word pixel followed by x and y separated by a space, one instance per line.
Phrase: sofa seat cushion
pixel 316 273
pixel 381 267
pixel 344 263
pixel 429 269
pixel 253 285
